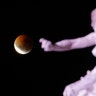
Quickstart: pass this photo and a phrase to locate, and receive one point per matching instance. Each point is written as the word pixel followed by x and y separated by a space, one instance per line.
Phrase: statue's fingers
pixel 47 46
pixel 43 45
pixel 42 40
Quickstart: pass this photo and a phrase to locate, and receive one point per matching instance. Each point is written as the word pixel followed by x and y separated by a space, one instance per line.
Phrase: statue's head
pixel 93 19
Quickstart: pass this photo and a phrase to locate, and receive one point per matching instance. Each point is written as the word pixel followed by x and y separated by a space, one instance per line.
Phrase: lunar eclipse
pixel 23 44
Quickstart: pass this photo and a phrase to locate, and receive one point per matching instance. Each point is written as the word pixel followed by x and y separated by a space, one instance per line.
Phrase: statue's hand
pixel 46 44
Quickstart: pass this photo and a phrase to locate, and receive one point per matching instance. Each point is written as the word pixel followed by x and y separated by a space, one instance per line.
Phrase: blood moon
pixel 23 44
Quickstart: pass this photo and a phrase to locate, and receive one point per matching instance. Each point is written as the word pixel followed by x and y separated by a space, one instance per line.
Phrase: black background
pixel 39 72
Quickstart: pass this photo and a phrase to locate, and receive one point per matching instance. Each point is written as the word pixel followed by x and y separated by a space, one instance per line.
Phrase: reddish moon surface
pixel 23 44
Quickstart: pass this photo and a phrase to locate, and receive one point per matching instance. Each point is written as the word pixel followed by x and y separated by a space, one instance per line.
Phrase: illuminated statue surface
pixel 86 86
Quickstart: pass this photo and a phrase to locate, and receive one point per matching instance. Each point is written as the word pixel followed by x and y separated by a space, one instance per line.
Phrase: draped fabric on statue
pixel 86 86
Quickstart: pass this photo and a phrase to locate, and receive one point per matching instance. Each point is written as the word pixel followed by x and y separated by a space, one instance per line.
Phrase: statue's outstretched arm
pixel 69 44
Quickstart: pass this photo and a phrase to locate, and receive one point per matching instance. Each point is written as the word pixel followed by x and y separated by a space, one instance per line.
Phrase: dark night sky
pixel 40 72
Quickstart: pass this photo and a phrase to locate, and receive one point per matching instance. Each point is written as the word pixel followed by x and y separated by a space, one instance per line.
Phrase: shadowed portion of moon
pixel 23 44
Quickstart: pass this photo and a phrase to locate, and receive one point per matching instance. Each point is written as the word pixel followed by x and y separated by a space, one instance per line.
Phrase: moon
pixel 23 44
